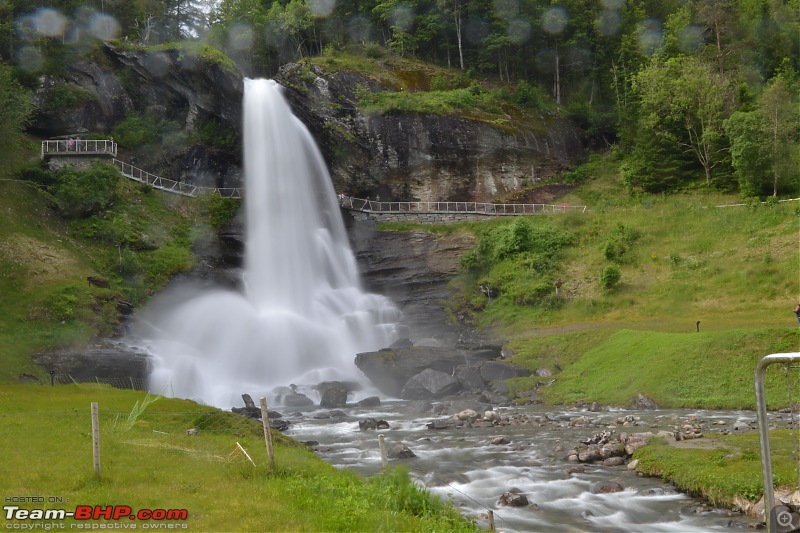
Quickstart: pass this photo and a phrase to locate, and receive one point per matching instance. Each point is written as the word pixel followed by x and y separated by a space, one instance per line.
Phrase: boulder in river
pixel 430 384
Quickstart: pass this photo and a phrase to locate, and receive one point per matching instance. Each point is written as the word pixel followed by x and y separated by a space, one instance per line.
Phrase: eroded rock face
pixel 408 156
pixel 106 360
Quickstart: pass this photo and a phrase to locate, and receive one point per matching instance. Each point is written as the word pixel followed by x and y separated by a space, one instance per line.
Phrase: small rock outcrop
pixel 430 384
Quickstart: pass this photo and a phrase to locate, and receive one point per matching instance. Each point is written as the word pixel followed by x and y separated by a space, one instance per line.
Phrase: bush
pixel 218 210
pixel 82 193
pixel 141 129
pixel 619 246
pixel 374 51
pixel 440 82
pixel 609 278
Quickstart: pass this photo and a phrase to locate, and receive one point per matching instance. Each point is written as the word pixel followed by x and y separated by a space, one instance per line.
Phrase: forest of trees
pixel 690 92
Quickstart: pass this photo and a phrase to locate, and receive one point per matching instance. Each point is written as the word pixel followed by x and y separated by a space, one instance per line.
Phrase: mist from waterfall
pixel 303 315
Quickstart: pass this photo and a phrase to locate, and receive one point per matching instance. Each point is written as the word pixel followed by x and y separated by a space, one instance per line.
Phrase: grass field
pixel 220 475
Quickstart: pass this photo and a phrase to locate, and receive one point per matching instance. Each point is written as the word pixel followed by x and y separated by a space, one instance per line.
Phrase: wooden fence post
pixel 382 446
pixel 267 432
pixel 96 438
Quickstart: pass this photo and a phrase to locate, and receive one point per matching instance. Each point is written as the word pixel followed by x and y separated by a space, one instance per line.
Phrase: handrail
pixel 109 147
pixel 177 187
pixel 376 206
pixel 79 147
pixel 763 434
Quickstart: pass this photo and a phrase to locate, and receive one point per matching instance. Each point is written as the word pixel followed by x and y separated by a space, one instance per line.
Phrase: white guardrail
pixel 375 206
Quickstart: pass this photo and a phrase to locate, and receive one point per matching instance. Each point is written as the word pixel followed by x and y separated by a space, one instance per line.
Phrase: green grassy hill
pixel 680 260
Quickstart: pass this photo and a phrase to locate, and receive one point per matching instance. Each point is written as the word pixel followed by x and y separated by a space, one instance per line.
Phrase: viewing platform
pixel 77 147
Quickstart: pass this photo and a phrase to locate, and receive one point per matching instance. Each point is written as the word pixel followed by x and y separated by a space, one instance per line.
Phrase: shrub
pixel 82 193
pixel 440 82
pixel 374 51
pixel 619 245
pixel 218 210
pixel 609 278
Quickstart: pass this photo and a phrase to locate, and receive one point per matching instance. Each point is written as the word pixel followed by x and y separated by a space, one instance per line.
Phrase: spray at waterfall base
pixel 302 315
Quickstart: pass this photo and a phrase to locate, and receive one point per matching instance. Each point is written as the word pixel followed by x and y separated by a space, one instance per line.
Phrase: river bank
pixel 485 467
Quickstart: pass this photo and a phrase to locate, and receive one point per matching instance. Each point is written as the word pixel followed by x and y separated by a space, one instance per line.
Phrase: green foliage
pixel 724 472
pixel 609 278
pixel 216 135
pixel 219 211
pixel 81 193
pixel 150 448
pixel 454 101
pixel 618 247
pixel 141 129
pixel 64 96
pixel 15 112
pixel 502 241
pixel 629 362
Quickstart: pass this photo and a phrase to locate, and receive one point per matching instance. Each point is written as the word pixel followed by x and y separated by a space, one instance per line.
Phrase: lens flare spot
pixel 321 8
pixel 104 27
pixel 555 20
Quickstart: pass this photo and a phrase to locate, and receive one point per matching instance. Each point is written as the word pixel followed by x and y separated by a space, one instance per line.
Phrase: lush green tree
pixel 15 110
pixel 749 155
pixel 685 101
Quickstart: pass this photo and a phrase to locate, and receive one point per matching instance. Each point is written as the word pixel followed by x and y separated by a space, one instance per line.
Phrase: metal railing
pixel 763 432
pixel 168 185
pixel 79 147
pixel 376 206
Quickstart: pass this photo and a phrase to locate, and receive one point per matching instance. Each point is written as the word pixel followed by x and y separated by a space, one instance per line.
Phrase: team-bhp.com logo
pixel 95 512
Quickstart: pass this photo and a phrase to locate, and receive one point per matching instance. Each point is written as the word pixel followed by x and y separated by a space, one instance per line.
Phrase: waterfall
pixel 303 315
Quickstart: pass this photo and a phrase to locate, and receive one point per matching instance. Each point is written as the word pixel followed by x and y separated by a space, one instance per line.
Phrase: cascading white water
pixel 303 316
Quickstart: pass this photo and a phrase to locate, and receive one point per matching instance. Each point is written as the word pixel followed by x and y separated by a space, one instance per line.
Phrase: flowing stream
pixel 302 318
pixel 462 464
pixel 303 315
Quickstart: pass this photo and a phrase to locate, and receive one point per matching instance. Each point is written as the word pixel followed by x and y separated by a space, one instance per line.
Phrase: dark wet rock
pixel 614 461
pixel 390 370
pixel 399 451
pixel 470 378
pixel 420 406
pixel 454 407
pixel 405 342
pixel 496 371
pixel 366 424
pixel 249 410
pixel 500 440
pixel 442 423
pixel 332 394
pixel 370 401
pixel 310 443
pixel 279 424
pixel 606 487
pixel 295 400
pixel 576 470
pixel 642 402
pixel 430 384
pixel 381 424
pixel 104 360
pixel 513 499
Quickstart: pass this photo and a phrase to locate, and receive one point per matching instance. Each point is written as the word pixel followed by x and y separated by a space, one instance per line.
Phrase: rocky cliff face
pixel 424 157
pixel 95 92
pixel 394 156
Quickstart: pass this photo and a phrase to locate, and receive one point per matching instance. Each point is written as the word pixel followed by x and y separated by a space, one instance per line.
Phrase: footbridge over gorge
pixel 82 152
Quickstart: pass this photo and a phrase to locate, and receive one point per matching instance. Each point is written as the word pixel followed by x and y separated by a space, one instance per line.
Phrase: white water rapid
pixel 303 316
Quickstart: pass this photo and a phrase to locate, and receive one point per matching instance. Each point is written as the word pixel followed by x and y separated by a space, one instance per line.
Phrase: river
pixel 462 464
